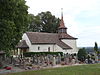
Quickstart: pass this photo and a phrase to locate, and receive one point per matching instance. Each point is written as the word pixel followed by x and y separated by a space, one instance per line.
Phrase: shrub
pixel 82 54
pixel 30 54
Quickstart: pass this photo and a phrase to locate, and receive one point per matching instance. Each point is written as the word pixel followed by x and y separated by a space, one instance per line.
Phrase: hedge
pixel 30 54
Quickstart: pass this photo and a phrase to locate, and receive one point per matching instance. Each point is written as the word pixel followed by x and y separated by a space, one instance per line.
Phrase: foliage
pixel 43 22
pixel 96 48
pixel 93 69
pixel 34 23
pixel 82 54
pixel 29 54
pixel 13 22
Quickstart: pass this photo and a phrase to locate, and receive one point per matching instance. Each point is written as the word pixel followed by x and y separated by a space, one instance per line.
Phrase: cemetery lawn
pixel 93 69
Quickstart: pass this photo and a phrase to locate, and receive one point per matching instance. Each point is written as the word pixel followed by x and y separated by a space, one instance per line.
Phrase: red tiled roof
pixel 62 25
pixel 66 36
pixel 46 38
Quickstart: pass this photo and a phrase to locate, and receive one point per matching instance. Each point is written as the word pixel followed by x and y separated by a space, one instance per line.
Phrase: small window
pixel 38 48
pixel 48 49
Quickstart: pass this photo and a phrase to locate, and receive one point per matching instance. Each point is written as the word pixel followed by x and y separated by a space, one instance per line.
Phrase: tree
pixel 34 23
pixel 13 22
pixel 82 54
pixel 96 48
pixel 44 22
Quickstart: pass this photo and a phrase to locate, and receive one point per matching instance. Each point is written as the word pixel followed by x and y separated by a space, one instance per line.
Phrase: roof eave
pixel 43 43
pixel 69 38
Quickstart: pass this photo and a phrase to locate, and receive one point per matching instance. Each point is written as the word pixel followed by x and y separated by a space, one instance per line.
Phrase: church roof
pixel 46 38
pixel 66 36
pixel 22 44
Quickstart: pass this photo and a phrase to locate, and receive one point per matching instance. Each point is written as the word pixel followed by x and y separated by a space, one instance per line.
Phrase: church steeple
pixel 62 28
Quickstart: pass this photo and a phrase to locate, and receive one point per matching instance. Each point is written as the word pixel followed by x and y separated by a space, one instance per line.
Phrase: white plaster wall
pixel 57 48
pixel 72 44
pixel 25 37
pixel 43 48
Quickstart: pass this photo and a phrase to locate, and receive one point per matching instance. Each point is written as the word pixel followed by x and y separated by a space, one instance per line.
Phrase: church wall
pixel 72 44
pixel 42 48
pixel 57 48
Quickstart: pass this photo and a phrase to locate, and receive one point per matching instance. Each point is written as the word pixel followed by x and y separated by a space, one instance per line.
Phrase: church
pixel 48 42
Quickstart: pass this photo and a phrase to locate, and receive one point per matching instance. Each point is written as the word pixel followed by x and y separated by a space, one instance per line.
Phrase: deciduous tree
pixel 13 22
pixel 44 22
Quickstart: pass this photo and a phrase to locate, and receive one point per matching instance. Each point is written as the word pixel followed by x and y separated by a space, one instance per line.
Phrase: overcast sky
pixel 81 17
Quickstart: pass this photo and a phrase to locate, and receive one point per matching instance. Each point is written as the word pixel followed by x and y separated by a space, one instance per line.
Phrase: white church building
pixel 48 42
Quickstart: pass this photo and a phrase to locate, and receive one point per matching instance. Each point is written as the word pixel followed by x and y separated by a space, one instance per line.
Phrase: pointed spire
pixel 61 13
pixel 62 25
pixel 62 28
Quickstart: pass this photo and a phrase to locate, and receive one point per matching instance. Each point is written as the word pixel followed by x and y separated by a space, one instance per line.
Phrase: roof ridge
pixel 41 33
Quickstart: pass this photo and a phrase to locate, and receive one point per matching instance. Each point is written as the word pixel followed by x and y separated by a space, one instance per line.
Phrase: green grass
pixel 93 69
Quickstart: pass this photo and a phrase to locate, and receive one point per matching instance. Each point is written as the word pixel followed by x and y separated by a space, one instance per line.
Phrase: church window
pixel 38 48
pixel 48 49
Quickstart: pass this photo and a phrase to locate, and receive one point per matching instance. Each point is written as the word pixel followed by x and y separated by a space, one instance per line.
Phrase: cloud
pixel 88 36
pixel 71 5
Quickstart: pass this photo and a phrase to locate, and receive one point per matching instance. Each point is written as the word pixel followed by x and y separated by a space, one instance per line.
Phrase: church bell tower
pixel 62 28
